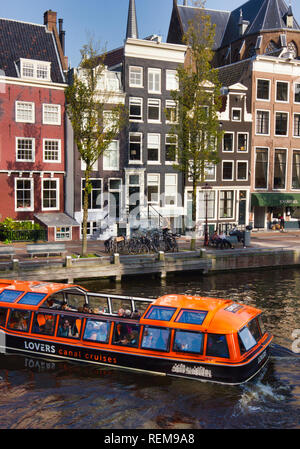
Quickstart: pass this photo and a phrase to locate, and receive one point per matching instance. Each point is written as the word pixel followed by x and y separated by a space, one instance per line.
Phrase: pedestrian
pixel 281 223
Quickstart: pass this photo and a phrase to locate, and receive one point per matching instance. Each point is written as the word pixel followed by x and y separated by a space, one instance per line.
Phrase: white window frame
pixel 237 142
pixel 269 122
pixel 133 84
pixel 157 161
pixel 171 104
pixel 35 67
pixel 136 99
pixel 240 111
pixel 17 112
pixel 208 166
pixel 31 207
pixel 268 166
pixel 135 161
pixel 168 175
pixel 101 193
pixel 172 82
pixel 263 79
pixel 158 188
pixel 286 169
pixel 107 153
pixel 294 135
pixel 228 151
pixel 57 191
pixel 159 110
pixel 49 122
pixel 292 160
pixel 176 144
pixel 240 161
pixel 294 92
pixel 58 151
pixel 288 92
pixel 153 72
pixel 287 123
pixel 63 239
pixel 232 171
pixel 32 150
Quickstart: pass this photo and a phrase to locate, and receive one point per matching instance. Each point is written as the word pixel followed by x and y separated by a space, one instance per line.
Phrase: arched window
pixel 271 48
pixel 292 48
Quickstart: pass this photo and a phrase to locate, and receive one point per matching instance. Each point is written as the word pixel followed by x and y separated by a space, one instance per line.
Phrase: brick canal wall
pixel 204 261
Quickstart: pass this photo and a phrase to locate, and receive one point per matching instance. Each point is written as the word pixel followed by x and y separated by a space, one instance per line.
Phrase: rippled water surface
pixel 42 394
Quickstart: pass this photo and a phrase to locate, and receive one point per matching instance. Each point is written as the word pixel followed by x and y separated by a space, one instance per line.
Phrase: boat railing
pixel 122 301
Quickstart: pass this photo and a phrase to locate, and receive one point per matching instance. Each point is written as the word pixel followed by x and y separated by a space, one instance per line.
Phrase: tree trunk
pixel 194 213
pixel 85 216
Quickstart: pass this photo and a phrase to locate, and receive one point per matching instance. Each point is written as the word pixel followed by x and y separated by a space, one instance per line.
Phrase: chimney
pixel 243 24
pixel 62 34
pixel 50 19
pixel 290 17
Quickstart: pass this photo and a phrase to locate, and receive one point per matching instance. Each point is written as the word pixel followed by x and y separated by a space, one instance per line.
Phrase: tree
pixel 85 103
pixel 198 101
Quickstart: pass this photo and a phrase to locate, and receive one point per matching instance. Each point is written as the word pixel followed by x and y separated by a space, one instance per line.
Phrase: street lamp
pixel 206 188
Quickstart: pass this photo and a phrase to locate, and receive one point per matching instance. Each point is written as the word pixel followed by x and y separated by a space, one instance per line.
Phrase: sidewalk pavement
pixel 261 239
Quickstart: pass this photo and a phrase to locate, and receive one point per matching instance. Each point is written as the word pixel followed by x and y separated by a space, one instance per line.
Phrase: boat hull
pixel 227 373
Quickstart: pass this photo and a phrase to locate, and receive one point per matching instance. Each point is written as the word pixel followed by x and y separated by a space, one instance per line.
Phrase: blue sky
pixel 106 20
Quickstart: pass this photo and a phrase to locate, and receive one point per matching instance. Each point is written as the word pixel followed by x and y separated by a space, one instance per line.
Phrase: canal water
pixel 40 394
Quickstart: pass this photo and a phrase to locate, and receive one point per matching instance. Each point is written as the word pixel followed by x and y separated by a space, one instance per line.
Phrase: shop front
pixel 269 208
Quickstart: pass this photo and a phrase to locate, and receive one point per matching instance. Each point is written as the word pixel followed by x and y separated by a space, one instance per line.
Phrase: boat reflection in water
pixel 175 335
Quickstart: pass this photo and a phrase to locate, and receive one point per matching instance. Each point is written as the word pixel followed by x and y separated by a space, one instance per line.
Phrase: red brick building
pixel 32 124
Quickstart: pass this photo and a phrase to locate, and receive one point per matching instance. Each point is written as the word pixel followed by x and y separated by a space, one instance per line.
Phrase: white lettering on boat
pixel 180 368
pixel 39 347
pixel 261 357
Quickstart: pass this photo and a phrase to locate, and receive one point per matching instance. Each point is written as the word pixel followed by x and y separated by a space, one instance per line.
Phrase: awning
pixel 275 199
pixel 56 219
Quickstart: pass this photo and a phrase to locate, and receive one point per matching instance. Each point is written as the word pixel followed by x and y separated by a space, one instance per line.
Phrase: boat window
pixel 19 320
pixel 261 325
pixel 10 295
pixel 160 313
pixel 126 334
pixel 254 329
pixel 140 307
pixel 69 326
pixel 43 323
pixel 119 303
pixel 3 314
pixel 98 302
pixel 246 340
pixel 75 300
pixel 156 338
pixel 32 299
pixel 186 341
pixel 191 316
pixel 96 330
pixel 55 301
pixel 217 346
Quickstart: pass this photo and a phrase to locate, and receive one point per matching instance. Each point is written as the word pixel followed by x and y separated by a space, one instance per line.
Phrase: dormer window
pixel 32 69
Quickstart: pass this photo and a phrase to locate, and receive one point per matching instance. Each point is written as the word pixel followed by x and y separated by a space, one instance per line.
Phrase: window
pixel 227 170
pixel 135 146
pixel 281 123
pixel 25 150
pixel 236 114
pixel 171 189
pixel 94 198
pixel 69 327
pixel 3 315
pixel 23 194
pixel 35 69
pixel 296 170
pixel 186 341
pixel 153 110
pixel 279 169
pixel 32 298
pixel 126 334
pixel 153 148
pixel 97 330
pixel 153 188
pixel 51 114
pixel 134 194
pixel 261 168
pixel 171 80
pixel 94 166
pixel 154 80
pixel 262 122
pixel 111 156
pixel 43 323
pixel 171 111
pixel 135 76
pixel 52 150
pixel 226 203
pixel 246 339
pixel 10 295
pixel 210 171
pixel 228 142
pixel 155 338
pixel 25 112
pixel 282 91
pixel 19 320
pixel 217 346
pixel 207 197
pixel 297 93
pixel 242 144
pixel 135 108
pixel 263 90
pixel 191 316
pixel 296 132
pixel 50 194
pixel 63 233
pixel 171 146
pixel 242 171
